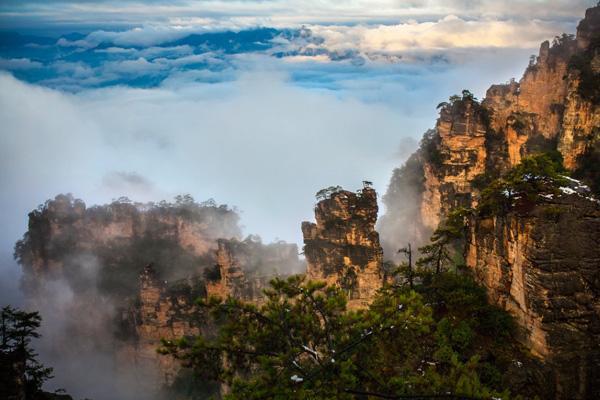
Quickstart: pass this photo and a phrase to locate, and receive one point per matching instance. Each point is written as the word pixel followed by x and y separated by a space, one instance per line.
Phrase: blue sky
pixel 257 104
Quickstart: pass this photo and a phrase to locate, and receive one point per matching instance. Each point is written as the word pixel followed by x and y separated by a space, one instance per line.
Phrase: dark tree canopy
pixel 303 343
pixel 20 365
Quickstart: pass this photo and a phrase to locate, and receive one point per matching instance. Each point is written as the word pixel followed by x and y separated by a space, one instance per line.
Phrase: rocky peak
pixel 554 107
pixel 539 262
pixel 456 155
pixel 343 248
pixel 588 28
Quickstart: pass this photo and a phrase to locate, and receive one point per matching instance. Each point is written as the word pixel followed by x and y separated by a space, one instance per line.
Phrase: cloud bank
pixel 275 12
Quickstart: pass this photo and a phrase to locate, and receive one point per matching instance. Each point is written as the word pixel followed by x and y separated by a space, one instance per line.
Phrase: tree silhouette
pixel 17 329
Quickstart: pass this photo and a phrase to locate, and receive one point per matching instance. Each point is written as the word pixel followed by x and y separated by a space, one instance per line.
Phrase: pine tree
pixel 17 329
pixel 303 343
pixel 445 243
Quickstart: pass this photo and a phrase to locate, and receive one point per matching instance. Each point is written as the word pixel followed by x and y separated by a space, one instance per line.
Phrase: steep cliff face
pixel 179 238
pixel 456 159
pixel 539 262
pixel 162 311
pixel 244 268
pixel 343 248
pixel 542 266
pixel 555 106
pixel 581 123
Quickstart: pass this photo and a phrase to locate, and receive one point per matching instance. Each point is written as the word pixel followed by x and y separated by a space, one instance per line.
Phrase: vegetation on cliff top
pixel 63 230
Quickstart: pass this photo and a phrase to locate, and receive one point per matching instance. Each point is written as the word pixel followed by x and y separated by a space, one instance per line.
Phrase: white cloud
pixel 147 35
pixel 133 67
pixel 223 13
pixel 258 141
pixel 14 64
pixel 447 34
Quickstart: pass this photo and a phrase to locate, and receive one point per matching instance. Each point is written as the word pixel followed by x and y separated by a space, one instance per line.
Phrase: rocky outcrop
pixel 555 106
pixel 244 268
pixel 167 310
pixel 163 310
pixel 122 236
pixel 456 159
pixel 343 248
pixel 98 256
pixel 541 262
pixel 581 122
pixel 543 266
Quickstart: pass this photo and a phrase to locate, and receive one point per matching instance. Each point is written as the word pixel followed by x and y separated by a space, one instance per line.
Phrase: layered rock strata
pixel 543 266
pixel 342 248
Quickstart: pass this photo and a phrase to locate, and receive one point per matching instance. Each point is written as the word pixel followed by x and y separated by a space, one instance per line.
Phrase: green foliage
pixel 187 386
pixel 563 40
pixel 445 242
pixel 302 342
pixel 482 181
pixel 458 102
pixel 17 329
pixel 536 174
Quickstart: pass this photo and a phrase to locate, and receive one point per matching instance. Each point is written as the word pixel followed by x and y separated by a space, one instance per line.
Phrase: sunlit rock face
pixel 461 158
pixel 343 248
pixel 554 107
pixel 543 266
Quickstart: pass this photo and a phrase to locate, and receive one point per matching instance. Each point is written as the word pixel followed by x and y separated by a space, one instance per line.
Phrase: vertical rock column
pixel 343 248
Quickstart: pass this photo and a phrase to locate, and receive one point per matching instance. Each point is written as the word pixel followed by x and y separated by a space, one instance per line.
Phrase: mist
pixel 78 337
pixel 264 140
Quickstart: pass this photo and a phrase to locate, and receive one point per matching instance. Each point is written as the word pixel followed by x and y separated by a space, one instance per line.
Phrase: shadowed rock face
pixel 120 238
pixel 543 266
pixel 343 248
